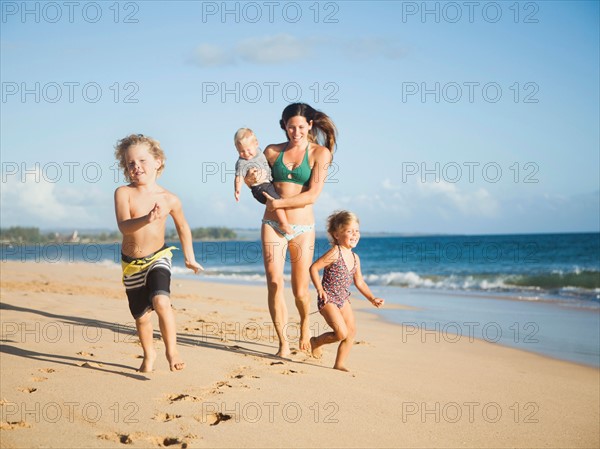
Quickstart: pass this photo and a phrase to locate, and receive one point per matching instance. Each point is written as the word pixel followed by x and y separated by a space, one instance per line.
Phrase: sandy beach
pixel 69 357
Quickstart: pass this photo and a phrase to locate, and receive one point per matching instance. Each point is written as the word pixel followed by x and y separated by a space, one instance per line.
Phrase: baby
pixel 251 157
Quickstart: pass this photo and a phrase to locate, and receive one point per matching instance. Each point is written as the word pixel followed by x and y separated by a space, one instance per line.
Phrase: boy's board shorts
pixel 146 277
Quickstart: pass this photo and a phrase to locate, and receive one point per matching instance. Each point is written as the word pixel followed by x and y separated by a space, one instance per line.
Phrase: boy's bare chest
pixel 142 204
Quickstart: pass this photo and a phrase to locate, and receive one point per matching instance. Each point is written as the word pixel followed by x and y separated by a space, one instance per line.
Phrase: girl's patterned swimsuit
pixel 336 281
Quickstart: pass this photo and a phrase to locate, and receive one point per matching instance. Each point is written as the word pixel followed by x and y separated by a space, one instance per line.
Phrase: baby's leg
pixel 283 221
pixel 166 322
pixel 346 344
pixel 335 320
pixel 144 330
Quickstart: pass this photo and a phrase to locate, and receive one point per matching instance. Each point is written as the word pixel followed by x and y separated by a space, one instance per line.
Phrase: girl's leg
pixel 274 248
pixel 346 344
pixel 166 322
pixel 144 330
pixel 301 257
pixel 334 318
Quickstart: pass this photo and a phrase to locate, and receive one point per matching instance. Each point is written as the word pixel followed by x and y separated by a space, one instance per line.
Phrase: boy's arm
pixel 237 187
pixel 126 224
pixel 317 181
pixel 362 286
pixel 185 236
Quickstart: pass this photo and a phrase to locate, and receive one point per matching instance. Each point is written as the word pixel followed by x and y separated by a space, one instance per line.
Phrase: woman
pixel 299 171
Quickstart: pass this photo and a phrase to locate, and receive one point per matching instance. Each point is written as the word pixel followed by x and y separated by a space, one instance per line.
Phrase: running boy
pixel 142 208
pixel 251 157
pixel 333 293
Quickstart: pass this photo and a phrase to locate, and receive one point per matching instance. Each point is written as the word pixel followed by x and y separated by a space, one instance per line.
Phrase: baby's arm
pixel 126 224
pixel 185 234
pixel 325 260
pixel 362 286
pixel 237 187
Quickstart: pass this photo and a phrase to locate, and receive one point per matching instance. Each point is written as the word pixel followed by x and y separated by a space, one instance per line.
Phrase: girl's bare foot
pixel 147 365
pixel 317 351
pixel 175 362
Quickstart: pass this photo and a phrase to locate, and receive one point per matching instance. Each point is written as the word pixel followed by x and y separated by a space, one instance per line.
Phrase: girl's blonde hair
pixel 338 220
pixel 135 139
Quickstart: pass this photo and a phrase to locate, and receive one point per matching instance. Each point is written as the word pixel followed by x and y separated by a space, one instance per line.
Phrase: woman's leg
pixel 274 249
pixel 301 251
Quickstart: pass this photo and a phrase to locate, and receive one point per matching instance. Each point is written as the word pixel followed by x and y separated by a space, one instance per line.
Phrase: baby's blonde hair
pixel 135 139
pixel 242 134
pixel 338 220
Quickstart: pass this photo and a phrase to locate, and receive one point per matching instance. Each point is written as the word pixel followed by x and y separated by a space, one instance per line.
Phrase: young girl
pixel 341 267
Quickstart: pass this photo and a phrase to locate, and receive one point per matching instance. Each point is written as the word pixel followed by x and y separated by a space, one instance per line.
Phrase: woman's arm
pixel 317 180
pixel 362 286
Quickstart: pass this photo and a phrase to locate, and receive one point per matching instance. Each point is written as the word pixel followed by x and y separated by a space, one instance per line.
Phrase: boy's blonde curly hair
pixel 134 139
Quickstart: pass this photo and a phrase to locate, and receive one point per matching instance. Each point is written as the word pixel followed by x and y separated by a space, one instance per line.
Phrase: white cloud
pixel 372 47
pixel 39 202
pixel 477 203
pixel 208 55
pixel 274 49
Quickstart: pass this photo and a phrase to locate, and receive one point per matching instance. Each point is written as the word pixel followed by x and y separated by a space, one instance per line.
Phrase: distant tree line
pixel 27 235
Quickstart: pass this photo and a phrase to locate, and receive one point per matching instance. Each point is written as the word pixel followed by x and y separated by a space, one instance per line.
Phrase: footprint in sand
pixel 47 370
pixel 39 379
pixel 213 418
pixel 288 372
pixel 165 417
pixel 11 425
pixel 182 397
pixel 27 389
pixel 122 438
pixel 85 354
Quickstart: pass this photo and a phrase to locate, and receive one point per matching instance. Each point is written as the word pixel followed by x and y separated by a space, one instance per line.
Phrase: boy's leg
pixel 168 330
pixel 145 334
pixel 335 320
pixel 346 344
pixel 279 213
pixel 283 221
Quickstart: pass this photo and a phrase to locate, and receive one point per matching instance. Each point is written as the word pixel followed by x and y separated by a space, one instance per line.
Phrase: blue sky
pixel 451 120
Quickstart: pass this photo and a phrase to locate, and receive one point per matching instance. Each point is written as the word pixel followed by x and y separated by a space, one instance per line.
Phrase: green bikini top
pixel 299 175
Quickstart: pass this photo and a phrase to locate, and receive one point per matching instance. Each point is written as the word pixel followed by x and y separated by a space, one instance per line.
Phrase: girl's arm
pixel 362 286
pixel 317 180
pixel 326 259
pixel 185 235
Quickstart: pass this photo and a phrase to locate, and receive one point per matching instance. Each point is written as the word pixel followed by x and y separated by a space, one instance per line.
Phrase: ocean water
pixel 538 292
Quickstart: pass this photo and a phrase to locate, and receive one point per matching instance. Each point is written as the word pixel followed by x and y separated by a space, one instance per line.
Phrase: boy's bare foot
pixel 147 365
pixel 317 351
pixel 175 362
pixel 341 368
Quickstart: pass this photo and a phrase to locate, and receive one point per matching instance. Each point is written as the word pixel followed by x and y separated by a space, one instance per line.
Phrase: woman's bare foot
pixel 341 368
pixel 147 365
pixel 304 342
pixel 175 362
pixel 284 351
pixel 317 351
